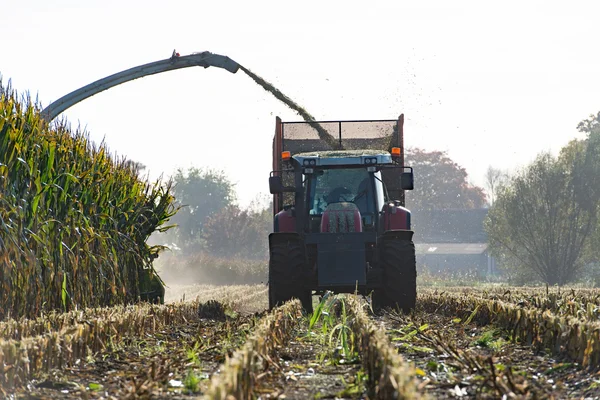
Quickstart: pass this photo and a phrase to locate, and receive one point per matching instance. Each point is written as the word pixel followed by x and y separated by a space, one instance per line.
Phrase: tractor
pixel 339 221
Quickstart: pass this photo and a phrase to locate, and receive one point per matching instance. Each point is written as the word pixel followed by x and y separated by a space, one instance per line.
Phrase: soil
pixel 174 363
pixel 308 367
pixel 457 359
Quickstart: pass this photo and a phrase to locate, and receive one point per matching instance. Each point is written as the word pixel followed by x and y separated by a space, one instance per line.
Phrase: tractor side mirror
pixel 275 185
pixel 407 180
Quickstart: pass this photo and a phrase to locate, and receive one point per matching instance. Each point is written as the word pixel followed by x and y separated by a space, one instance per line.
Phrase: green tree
pixel 587 183
pixel 494 179
pixel 440 183
pixel 545 216
pixel 236 232
pixel 201 193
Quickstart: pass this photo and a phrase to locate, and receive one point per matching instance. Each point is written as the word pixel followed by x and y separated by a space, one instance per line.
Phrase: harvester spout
pixel 209 59
pixel 204 59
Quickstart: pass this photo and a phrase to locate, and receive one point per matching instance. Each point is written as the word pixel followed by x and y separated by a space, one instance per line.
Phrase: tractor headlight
pixel 371 160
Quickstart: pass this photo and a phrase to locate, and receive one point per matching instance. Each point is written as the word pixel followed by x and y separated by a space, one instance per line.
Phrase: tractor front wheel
pixel 399 267
pixel 286 274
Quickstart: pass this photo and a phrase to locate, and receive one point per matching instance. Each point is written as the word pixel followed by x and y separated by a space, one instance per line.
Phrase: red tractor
pixel 339 217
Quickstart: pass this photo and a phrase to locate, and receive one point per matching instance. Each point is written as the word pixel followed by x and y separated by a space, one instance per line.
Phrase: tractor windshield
pixel 355 185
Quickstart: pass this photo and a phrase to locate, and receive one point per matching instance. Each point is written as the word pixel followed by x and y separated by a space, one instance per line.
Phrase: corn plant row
pixel 17 329
pixel 582 304
pixel 21 359
pixel 572 337
pixel 516 294
pixel 57 321
pixel 389 376
pixel 239 372
pixel 74 220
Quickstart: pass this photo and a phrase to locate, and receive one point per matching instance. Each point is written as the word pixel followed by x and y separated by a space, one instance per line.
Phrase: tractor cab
pixel 343 192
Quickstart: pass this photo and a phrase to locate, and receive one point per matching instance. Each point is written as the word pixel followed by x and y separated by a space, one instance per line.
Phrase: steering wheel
pixel 358 196
pixel 335 194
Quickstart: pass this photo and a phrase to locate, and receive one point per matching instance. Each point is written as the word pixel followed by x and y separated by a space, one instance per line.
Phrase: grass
pixel 191 381
pixel 489 339
pixel 63 342
pixel 354 388
pixel 331 324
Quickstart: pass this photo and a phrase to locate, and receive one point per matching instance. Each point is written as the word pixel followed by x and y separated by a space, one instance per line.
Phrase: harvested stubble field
pixel 458 343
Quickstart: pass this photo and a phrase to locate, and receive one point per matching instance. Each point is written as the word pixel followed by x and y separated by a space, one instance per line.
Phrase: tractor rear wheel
pixel 399 267
pixel 286 275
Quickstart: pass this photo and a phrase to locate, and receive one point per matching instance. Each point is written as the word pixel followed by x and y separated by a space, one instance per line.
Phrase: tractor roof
pixel 342 153
pixel 343 157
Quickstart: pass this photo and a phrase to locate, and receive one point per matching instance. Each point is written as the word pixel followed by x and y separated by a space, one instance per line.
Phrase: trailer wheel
pixel 286 275
pixel 399 286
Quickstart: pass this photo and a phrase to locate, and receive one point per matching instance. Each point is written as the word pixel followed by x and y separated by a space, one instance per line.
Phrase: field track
pixel 220 341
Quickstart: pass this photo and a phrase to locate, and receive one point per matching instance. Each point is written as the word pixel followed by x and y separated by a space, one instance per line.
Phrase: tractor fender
pixel 285 220
pixel 395 216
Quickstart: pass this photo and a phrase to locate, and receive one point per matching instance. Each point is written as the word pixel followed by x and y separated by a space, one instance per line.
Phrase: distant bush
pixel 238 233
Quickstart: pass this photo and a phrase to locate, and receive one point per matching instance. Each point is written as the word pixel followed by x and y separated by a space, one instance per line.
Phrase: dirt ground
pixel 463 360
pixel 309 367
pixel 453 358
pixel 174 363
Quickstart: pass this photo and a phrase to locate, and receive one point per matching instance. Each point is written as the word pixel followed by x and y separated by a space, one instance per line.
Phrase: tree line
pixel 543 223
pixel 210 220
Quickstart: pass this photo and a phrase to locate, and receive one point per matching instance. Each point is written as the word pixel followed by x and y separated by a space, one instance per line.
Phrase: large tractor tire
pixel 151 287
pixel 399 268
pixel 286 274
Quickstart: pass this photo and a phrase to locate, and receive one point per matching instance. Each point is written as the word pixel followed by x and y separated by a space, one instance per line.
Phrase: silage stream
pixel 269 87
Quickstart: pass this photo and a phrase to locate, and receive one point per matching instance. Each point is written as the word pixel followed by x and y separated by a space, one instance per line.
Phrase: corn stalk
pixel 73 219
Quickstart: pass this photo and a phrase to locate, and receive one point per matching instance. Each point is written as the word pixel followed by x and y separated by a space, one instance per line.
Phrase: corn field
pixel 220 343
pixel 73 220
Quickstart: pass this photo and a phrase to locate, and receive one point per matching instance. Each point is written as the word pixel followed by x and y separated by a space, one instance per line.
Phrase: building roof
pixel 449 226
pixel 450 248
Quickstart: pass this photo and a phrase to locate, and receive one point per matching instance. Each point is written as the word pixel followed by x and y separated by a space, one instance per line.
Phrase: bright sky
pixel 491 83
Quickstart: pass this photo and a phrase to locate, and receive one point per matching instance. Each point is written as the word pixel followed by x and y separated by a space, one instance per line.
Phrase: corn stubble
pixel 239 373
pixel 389 376
pixel 62 340
pixel 577 338
pixel 73 220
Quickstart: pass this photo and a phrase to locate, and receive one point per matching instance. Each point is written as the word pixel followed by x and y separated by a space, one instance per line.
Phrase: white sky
pixel 491 83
